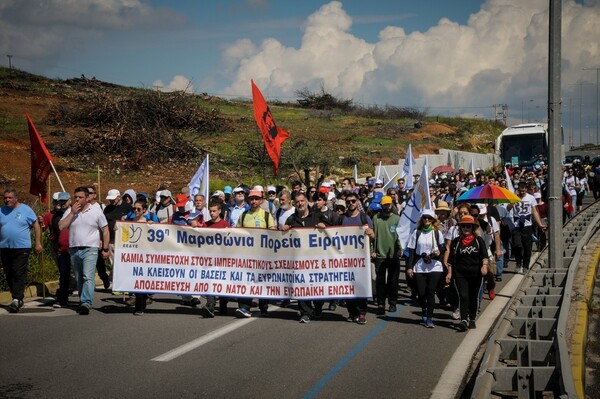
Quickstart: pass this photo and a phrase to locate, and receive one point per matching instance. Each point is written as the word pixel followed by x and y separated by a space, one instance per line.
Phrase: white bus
pixel 522 144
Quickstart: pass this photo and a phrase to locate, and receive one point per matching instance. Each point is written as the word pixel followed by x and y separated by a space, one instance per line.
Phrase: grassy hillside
pixel 326 142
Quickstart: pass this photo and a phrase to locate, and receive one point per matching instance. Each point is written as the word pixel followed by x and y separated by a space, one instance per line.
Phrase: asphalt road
pixel 51 353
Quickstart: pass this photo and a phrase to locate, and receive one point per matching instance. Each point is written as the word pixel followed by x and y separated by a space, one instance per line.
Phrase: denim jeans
pixel 64 273
pixel 500 261
pixel 83 260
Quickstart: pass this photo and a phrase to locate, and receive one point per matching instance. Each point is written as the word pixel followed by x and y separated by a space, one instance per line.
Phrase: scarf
pixel 426 229
pixel 468 240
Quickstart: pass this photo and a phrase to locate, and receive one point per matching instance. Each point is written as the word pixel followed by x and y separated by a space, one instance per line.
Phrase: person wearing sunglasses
pixel 357 307
pixel 426 248
pixel 467 263
pixel 463 209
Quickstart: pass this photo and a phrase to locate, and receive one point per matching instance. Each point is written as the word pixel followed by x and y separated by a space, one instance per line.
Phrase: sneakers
pixel 362 319
pixel 456 314
pixel 194 302
pixel 472 325
pixel 498 278
pixel 207 312
pixel 138 313
pixel 463 325
pixel 392 308
pixel 429 323
pixel 15 306
pixel 305 319
pixel 352 319
pixel 381 311
pixel 492 295
pixel 242 313
pixel 83 310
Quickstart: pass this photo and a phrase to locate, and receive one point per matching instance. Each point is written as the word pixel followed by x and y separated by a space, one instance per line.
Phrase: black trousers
pixel 310 308
pixel 101 266
pixel 14 263
pixel 387 272
pixel 521 245
pixel 427 284
pixel 468 292
pixel 64 278
pixel 356 306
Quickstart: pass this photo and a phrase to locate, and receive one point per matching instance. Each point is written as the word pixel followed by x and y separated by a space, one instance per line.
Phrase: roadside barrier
pixel 527 354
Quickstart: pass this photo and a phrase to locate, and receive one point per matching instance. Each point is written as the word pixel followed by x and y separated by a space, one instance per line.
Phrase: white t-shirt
pixel 283 216
pixel 523 211
pixel 84 230
pixel 427 243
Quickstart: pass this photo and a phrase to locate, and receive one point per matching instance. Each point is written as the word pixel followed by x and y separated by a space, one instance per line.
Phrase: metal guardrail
pixel 527 354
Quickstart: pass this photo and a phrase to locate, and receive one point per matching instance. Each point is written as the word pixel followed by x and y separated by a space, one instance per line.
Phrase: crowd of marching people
pixel 454 257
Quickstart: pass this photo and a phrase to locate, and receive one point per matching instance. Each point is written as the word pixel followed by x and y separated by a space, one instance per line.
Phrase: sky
pixel 446 57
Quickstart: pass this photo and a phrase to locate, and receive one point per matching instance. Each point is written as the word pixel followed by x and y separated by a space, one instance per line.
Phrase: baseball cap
pixel 64 196
pixel 55 196
pixel 219 193
pixel 166 193
pixel 112 194
pixel 537 195
pixel 259 188
pixel 482 209
pixel 341 203
pixel 428 212
pixel 255 193
pixel 226 190
pixel 238 190
pixel 181 200
pixel 271 188
pixel 386 199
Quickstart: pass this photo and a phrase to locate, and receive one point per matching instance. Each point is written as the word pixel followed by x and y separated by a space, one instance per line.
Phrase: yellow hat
pixel 386 199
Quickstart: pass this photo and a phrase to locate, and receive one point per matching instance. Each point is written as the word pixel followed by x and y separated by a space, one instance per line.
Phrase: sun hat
pixel 226 190
pixel 468 219
pixel 218 193
pixel 442 206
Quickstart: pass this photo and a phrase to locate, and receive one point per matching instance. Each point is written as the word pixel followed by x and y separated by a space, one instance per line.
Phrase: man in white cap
pixel 268 206
pixel 240 206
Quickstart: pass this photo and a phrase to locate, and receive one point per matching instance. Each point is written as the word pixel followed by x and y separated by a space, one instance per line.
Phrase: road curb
pixel 580 329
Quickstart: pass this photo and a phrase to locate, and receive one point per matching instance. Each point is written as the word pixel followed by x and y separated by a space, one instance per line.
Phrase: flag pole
pixel 56 173
pixel 41 259
pixel 49 193
pixel 98 191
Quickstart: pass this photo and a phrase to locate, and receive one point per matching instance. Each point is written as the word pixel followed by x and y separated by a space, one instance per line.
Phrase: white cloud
pixel 39 32
pixel 178 83
pixel 499 56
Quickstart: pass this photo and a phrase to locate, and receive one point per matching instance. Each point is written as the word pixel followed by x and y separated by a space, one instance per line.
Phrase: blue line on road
pixel 339 366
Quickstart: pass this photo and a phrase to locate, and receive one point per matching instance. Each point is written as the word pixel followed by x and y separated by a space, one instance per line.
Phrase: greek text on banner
pixel 237 262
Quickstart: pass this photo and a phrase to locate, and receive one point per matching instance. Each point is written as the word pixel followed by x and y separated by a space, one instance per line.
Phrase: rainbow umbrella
pixel 489 194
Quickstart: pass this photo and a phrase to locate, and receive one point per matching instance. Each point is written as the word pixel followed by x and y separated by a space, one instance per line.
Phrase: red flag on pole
pixel 273 136
pixel 40 163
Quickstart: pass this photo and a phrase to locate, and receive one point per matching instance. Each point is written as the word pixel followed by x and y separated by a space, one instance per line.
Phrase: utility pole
pixel 597 105
pixel 9 61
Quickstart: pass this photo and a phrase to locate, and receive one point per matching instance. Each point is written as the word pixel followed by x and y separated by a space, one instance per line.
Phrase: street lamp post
pixel 597 105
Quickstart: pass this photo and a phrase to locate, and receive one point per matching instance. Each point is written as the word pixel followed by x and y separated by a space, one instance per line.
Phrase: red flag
pixel 273 136
pixel 40 163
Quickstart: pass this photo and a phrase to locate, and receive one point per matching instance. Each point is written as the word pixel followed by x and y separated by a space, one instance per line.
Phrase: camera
pixel 426 257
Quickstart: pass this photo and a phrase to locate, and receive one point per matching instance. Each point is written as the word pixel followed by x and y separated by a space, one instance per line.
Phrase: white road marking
pixel 451 379
pixel 211 336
